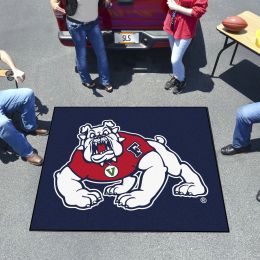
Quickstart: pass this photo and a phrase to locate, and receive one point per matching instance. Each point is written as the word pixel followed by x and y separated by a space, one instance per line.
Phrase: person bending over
pixel 21 103
pixel 246 116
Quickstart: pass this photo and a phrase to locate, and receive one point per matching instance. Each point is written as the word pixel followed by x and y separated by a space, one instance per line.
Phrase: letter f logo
pixel 134 148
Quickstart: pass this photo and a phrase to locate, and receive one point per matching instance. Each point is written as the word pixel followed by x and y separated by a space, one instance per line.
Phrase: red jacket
pixel 185 26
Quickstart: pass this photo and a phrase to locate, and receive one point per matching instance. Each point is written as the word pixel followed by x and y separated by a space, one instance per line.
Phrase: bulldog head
pixel 100 143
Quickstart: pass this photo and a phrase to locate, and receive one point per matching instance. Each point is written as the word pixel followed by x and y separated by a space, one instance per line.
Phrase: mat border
pixel 135 231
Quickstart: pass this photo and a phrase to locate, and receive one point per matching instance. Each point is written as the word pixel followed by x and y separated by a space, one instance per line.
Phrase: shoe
pixel 170 84
pixel 230 150
pixel 40 132
pixel 108 88
pixel 89 85
pixel 258 196
pixel 34 159
pixel 178 86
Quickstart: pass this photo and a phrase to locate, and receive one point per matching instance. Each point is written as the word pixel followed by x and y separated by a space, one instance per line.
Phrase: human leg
pixel 246 116
pixel 171 40
pixel 78 34
pixel 13 137
pixel 20 101
pixel 170 83
pixel 96 38
pixel 178 50
pixel 178 47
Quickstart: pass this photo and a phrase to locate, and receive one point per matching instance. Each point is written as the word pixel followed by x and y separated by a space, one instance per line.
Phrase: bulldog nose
pixel 100 135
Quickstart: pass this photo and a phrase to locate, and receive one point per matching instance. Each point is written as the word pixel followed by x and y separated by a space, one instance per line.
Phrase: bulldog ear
pixel 82 136
pixel 85 128
pixel 116 129
pixel 109 123
pixel 112 125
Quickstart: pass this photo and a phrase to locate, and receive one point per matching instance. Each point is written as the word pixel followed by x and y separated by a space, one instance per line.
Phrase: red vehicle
pixel 135 24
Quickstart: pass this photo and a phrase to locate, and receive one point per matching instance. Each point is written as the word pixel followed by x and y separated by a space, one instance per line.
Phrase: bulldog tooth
pixel 114 159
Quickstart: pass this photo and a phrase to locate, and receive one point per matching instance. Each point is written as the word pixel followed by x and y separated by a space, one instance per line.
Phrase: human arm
pixel 55 5
pixel 197 10
pixel 105 3
pixel 178 8
pixel 108 3
pixel 18 75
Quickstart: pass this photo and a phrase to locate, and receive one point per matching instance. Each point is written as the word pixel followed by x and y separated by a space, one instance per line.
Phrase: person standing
pixel 83 24
pixel 180 24
pixel 20 102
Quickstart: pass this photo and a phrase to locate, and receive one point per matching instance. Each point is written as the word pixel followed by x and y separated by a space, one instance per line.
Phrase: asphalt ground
pixel 28 32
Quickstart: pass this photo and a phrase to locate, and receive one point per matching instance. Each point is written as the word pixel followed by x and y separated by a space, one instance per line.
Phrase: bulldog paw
pixel 189 189
pixel 133 200
pixel 84 199
pixel 126 185
pixel 115 190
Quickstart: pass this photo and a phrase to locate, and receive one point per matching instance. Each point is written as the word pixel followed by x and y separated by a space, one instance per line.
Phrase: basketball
pixel 234 23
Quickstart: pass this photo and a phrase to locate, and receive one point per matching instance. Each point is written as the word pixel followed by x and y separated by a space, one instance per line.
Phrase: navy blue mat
pixel 130 169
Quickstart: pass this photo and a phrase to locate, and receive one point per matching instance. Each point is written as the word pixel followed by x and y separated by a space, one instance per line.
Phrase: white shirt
pixel 87 11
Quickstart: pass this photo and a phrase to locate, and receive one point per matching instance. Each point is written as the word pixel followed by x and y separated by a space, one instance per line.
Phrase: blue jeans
pixel 246 116
pixel 80 32
pixel 19 102
pixel 179 47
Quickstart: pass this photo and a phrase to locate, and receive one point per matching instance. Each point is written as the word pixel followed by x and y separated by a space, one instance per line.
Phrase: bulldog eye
pixel 105 132
pixel 91 135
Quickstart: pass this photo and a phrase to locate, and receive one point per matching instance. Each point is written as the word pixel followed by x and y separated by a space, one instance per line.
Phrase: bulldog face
pixel 100 143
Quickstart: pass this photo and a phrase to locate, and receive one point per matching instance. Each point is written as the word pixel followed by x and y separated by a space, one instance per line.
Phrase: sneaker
pixel 178 86
pixel 89 85
pixel 108 88
pixel 170 84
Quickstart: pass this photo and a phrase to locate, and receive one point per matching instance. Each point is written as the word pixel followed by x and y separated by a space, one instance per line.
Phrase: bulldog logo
pixel 134 168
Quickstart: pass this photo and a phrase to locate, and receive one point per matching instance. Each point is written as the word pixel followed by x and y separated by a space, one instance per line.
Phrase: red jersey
pixel 134 148
pixel 184 25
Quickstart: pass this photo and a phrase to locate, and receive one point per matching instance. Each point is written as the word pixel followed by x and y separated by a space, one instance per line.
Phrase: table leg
pixel 226 45
pixel 234 53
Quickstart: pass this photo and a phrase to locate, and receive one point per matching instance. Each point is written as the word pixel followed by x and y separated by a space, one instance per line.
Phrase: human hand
pixel 108 3
pixel 57 9
pixel 172 5
pixel 18 75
